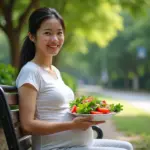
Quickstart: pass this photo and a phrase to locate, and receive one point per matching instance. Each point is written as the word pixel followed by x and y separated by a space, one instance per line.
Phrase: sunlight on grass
pixel 133 122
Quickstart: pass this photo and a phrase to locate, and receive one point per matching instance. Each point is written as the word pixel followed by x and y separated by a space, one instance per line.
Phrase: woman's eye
pixel 47 33
pixel 60 33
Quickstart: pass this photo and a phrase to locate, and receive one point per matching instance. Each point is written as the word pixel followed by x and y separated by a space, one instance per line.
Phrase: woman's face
pixel 49 37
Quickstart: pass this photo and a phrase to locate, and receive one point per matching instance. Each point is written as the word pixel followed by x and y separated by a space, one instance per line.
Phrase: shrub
pixel 7 74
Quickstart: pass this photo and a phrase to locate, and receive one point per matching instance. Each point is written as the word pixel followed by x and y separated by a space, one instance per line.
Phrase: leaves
pixel 95 21
pixel 116 108
pixel 7 74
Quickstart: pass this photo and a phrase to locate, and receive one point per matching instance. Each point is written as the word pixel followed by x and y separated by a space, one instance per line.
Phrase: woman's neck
pixel 44 62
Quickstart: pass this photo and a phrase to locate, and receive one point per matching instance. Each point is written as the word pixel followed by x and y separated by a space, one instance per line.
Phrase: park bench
pixel 9 119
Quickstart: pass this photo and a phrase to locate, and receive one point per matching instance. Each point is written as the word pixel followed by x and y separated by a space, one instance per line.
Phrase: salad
pixel 93 105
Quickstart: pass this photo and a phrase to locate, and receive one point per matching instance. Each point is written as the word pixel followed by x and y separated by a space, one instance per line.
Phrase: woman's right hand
pixel 84 123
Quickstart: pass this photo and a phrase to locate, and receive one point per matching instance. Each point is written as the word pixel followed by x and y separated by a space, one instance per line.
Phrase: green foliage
pixel 7 74
pixel 95 21
pixel 69 81
pixel 4 49
pixel 119 57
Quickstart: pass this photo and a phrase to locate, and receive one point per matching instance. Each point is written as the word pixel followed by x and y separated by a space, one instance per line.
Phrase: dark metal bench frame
pixel 13 142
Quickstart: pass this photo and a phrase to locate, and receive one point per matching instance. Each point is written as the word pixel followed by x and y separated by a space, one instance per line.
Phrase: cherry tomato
pixel 96 112
pixel 74 109
pixel 103 110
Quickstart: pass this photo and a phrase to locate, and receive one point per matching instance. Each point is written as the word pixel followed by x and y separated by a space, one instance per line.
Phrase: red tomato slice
pixel 103 110
pixel 74 109
pixel 96 112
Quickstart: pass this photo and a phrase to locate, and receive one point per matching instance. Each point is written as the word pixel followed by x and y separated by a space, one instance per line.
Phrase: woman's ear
pixel 31 37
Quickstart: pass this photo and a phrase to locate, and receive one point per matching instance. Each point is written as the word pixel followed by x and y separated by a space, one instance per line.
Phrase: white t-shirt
pixel 52 105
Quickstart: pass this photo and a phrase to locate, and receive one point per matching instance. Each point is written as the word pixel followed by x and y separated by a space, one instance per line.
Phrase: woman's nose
pixel 54 38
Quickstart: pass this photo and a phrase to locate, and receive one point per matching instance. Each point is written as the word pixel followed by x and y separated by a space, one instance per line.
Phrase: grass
pixel 133 122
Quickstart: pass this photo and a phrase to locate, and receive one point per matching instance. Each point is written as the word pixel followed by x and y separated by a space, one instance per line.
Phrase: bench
pixel 16 139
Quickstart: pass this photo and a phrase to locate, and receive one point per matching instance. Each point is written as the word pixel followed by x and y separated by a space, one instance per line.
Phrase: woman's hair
pixel 35 20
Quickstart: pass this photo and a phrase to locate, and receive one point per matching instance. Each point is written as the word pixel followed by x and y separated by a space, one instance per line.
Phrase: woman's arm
pixel 27 104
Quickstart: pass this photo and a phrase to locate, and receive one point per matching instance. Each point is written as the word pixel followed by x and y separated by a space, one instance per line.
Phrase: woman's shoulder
pixel 30 67
pixel 28 74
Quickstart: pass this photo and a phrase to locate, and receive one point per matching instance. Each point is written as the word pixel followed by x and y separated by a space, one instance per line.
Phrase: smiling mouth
pixel 53 46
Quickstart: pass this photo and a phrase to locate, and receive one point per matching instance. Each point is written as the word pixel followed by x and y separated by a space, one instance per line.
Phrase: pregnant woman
pixel 44 97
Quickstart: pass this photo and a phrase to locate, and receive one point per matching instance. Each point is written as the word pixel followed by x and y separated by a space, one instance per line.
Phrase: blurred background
pixel 106 53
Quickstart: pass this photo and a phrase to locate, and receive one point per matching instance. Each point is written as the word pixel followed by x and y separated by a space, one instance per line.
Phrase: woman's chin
pixel 54 53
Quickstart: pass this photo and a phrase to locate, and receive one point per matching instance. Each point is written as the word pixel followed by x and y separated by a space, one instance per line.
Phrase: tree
pixel 122 51
pixel 97 21
pixel 12 27
pixel 120 56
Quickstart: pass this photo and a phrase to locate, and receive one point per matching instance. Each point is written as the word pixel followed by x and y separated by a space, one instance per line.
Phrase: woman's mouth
pixel 54 47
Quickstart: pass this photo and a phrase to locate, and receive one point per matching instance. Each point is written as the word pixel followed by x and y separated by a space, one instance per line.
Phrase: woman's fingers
pixel 84 123
pixel 89 118
pixel 98 122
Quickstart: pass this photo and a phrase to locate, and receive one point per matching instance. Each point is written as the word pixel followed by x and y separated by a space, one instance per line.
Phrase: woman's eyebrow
pixel 47 29
pixel 51 29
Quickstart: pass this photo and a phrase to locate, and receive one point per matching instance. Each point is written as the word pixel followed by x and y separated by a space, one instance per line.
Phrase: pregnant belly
pixel 68 138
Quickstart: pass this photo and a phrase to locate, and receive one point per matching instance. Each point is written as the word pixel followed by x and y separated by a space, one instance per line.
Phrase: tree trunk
pixel 14 43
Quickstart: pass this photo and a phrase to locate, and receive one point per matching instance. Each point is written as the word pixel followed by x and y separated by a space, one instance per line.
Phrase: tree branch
pixel 24 15
pixel 2 6
pixel 6 12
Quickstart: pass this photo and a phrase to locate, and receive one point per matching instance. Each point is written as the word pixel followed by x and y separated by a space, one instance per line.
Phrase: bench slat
pixel 25 138
pixel 15 117
pixel 12 98
pixel 25 143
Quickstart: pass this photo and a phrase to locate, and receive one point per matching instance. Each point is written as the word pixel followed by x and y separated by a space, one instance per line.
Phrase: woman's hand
pixel 84 123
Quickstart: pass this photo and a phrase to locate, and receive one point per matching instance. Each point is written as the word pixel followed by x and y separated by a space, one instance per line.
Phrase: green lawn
pixel 133 122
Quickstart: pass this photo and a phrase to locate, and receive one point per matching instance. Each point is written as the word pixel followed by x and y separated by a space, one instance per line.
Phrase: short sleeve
pixel 28 75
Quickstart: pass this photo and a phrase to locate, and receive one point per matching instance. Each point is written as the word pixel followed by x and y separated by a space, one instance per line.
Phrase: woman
pixel 43 95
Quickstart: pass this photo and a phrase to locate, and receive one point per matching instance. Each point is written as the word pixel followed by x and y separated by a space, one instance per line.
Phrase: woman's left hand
pixel 97 122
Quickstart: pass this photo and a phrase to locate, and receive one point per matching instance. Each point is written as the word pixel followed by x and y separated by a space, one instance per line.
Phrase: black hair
pixel 35 20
